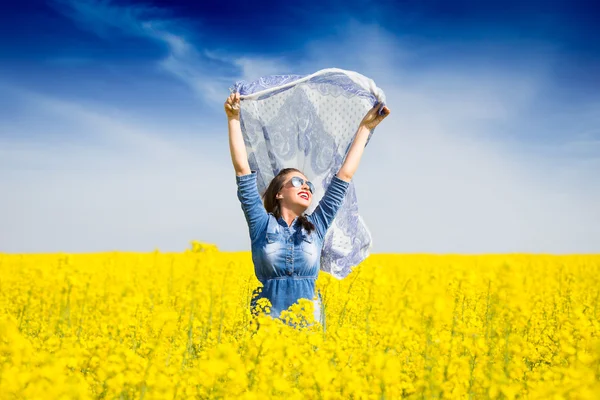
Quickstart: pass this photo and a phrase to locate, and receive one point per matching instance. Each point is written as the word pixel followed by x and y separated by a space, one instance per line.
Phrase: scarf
pixel 309 122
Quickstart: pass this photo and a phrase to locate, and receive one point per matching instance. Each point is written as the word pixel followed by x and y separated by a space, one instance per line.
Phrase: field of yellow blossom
pixel 177 325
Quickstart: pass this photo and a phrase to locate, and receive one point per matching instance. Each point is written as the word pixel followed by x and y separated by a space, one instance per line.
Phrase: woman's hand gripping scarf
pixel 309 122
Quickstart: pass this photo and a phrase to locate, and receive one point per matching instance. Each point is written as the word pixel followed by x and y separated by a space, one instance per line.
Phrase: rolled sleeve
pixel 252 205
pixel 329 205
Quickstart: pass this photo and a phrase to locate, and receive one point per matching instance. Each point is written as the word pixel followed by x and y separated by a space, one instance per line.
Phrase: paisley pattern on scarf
pixel 309 122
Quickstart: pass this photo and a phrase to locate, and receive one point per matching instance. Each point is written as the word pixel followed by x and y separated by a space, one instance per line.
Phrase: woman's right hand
pixel 232 106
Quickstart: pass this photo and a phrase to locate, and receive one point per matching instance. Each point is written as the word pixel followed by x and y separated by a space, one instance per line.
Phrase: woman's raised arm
pixel 247 192
pixel 369 122
pixel 237 148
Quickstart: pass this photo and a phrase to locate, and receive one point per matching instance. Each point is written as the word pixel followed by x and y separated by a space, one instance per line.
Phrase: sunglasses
pixel 298 182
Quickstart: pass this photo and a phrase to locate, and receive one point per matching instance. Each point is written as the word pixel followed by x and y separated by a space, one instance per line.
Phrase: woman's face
pixel 292 196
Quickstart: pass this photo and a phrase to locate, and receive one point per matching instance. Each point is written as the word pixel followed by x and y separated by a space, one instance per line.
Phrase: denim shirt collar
pixel 275 224
pixel 282 222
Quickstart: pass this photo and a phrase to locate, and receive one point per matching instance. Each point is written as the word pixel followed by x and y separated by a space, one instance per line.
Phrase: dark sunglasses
pixel 298 182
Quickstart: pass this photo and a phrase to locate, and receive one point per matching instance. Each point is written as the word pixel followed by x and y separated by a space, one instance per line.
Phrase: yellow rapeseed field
pixel 177 325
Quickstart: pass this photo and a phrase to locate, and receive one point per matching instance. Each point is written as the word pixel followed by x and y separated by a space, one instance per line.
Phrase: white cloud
pixel 439 176
pixel 131 187
pixel 430 190
pixel 202 71
pixel 254 67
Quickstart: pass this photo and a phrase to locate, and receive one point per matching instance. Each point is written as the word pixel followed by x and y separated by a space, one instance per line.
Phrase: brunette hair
pixel 272 204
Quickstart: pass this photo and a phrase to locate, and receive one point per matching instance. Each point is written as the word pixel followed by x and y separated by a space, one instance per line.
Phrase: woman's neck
pixel 289 216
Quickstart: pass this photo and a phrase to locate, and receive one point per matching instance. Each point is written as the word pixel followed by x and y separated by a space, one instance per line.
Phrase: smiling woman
pixel 288 119
pixel 288 196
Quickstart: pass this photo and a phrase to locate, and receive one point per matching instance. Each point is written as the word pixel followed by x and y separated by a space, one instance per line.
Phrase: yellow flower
pixel 170 325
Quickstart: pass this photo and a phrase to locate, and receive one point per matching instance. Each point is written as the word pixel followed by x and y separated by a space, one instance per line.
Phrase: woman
pixel 286 243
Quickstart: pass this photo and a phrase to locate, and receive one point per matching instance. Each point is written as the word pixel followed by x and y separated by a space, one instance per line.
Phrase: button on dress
pixel 287 258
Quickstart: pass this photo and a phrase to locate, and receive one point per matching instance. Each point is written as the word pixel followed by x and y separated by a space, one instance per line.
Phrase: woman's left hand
pixel 372 119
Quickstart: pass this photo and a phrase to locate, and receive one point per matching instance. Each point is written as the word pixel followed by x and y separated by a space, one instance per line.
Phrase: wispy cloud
pixel 96 126
pixel 208 72
pixel 119 184
pixel 107 20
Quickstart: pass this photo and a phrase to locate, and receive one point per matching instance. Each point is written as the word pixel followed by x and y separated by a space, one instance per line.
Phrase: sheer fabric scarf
pixel 309 122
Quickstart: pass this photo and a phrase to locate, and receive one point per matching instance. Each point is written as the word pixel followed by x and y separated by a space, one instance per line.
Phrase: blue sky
pixel 112 134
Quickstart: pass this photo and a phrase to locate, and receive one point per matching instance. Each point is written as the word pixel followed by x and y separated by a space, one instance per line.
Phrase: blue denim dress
pixel 287 258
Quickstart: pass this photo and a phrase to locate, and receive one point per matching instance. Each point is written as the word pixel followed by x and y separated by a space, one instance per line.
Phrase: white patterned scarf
pixel 308 122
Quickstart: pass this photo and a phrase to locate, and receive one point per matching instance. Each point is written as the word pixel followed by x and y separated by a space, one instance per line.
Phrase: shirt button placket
pixel 290 269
